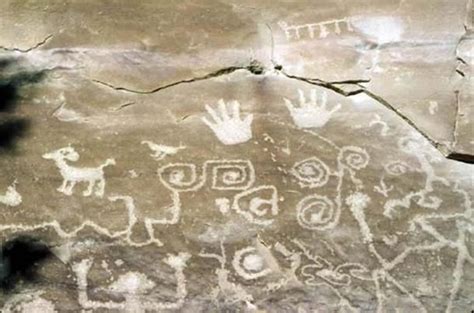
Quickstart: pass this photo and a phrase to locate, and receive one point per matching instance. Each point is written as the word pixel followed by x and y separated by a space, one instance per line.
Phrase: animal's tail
pixel 108 162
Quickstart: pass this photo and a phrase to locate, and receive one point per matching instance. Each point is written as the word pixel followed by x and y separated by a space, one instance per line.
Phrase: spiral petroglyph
pixel 317 212
pixel 236 156
pixel 232 175
pixel 311 172
pixel 180 176
pixel 397 168
pixel 352 157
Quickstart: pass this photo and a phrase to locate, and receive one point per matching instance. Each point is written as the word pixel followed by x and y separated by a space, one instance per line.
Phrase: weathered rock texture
pixel 237 156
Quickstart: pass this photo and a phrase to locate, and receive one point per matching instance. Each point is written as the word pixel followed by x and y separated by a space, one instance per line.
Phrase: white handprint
pixel 228 127
pixel 311 113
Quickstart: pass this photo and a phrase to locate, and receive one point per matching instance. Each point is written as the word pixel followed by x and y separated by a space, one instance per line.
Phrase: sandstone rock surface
pixel 237 156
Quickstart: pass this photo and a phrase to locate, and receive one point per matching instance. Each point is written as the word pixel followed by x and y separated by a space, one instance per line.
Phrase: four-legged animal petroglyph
pixel 312 113
pixel 294 30
pixel 72 175
pixel 229 128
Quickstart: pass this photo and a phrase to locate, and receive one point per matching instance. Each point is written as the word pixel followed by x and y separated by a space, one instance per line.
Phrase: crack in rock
pixel 254 67
pixel 36 46
pixel 122 106
pixel 453 154
pixel 331 85
pixel 462 68
pixel 257 68
pixel 361 89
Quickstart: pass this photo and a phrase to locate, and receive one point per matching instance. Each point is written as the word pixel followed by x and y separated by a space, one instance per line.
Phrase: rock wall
pixel 236 156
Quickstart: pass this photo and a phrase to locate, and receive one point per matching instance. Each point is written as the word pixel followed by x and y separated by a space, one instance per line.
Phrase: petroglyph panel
pixel 236 156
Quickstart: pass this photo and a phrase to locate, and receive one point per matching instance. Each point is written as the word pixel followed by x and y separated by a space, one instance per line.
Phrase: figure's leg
pixel 158 155
pixel 88 192
pixel 62 188
pixel 68 190
pixel 100 189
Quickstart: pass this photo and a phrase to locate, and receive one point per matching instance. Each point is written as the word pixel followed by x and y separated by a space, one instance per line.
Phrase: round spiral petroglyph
pixel 311 172
pixel 397 168
pixel 179 177
pixel 317 213
pixel 232 174
pixel 249 264
pixel 354 157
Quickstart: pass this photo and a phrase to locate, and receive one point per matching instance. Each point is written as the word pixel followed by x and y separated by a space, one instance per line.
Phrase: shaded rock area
pixel 236 156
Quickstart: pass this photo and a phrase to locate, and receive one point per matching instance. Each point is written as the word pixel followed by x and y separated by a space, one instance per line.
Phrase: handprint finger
pixel 313 95
pixel 324 99
pixel 236 110
pixel 336 108
pixel 302 97
pixel 289 104
pixel 248 120
pixel 222 108
pixel 208 123
pixel 213 114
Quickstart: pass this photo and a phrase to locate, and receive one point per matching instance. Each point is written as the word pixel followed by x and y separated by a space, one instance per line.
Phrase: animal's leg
pixel 100 188
pixel 69 188
pixel 158 155
pixel 62 188
pixel 88 192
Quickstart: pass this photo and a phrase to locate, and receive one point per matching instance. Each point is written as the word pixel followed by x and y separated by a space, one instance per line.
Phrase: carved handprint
pixel 228 127
pixel 311 113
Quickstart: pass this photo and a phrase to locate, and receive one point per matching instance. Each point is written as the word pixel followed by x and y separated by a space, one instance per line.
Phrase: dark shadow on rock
pixel 461 157
pixel 11 130
pixel 10 87
pixel 12 78
pixel 6 62
pixel 20 259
